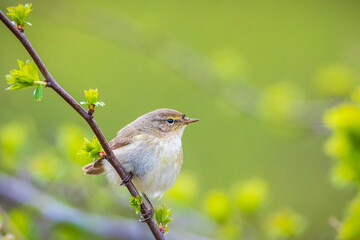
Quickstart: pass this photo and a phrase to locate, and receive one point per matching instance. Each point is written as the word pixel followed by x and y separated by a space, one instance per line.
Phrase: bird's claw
pixel 144 217
pixel 127 179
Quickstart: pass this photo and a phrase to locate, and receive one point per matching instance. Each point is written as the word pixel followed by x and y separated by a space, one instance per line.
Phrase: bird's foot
pixel 127 179
pixel 144 217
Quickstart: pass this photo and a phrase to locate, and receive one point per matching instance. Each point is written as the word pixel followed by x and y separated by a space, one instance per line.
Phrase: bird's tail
pixel 94 168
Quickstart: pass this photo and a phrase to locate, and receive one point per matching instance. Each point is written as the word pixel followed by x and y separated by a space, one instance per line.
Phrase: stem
pixel 41 83
pixel 51 83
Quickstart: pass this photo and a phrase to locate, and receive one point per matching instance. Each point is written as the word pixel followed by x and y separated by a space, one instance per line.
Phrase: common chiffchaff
pixel 150 151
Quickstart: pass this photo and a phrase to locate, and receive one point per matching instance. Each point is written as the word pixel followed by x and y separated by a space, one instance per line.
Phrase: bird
pixel 150 151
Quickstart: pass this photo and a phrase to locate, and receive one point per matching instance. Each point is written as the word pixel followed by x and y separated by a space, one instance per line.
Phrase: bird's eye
pixel 170 120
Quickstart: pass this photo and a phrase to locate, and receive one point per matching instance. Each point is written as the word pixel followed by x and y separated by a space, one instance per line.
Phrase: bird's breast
pixel 163 166
pixel 155 163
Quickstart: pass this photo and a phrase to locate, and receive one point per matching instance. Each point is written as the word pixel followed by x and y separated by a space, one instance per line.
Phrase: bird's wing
pixel 123 138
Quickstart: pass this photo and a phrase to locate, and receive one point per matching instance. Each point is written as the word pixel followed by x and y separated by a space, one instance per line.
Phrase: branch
pixel 84 114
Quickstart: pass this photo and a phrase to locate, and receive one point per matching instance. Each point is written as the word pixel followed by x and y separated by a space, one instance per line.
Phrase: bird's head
pixel 164 121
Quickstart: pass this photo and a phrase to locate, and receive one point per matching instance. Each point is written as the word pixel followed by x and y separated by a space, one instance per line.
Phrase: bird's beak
pixel 189 120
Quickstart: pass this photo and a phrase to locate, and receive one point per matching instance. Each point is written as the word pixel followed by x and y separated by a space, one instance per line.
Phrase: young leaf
pixel 136 203
pixel 38 93
pixel 19 14
pixel 25 77
pixel 92 99
pixel 162 218
pixel 101 104
pixel 91 149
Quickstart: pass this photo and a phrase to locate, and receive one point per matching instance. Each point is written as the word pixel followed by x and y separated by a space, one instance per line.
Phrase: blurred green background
pixel 259 75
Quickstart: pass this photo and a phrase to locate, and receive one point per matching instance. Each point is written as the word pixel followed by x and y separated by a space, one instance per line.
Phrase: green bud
pixel 19 14
pixel 92 99
pixel 91 149
pixel 26 76
pixel 162 218
pixel 136 203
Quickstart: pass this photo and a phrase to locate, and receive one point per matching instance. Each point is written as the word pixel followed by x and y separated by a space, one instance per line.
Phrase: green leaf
pixel 162 217
pixel 25 77
pixel 101 104
pixel 91 149
pixel 136 203
pixel 92 99
pixel 38 93
pixel 19 14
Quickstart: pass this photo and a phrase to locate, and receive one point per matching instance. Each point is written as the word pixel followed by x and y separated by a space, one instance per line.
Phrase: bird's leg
pixel 127 179
pixel 145 217
pixel 148 201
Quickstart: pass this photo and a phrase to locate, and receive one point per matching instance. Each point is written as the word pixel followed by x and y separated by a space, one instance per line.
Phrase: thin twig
pixel 84 114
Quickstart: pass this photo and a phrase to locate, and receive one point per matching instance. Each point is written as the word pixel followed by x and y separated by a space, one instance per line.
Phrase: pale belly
pixel 155 165
pixel 157 181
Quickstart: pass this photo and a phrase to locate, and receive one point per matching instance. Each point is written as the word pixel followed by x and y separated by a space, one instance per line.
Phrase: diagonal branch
pixel 84 114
